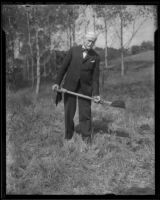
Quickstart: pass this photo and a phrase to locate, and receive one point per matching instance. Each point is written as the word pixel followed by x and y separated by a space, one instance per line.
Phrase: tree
pixel 38 59
pixel 32 27
pixel 15 30
pixel 106 13
pixel 70 13
pixel 147 45
pixel 82 21
pixel 127 16
pixel 42 43
pixel 140 14
pixel 29 43
pixel 45 20
pixel 135 49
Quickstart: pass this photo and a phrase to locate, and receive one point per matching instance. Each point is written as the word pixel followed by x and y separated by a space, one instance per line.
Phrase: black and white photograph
pixel 80 99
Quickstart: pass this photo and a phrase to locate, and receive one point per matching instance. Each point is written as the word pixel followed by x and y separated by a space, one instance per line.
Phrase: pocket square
pixel 92 61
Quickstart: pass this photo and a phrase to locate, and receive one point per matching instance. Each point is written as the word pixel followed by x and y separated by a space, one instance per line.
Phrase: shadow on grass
pixel 98 127
pixel 102 127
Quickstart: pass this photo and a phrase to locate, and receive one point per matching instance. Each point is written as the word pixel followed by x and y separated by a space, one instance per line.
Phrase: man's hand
pixel 97 99
pixel 55 87
pixel 63 90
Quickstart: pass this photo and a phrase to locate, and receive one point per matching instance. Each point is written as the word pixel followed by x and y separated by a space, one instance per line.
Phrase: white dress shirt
pixel 84 52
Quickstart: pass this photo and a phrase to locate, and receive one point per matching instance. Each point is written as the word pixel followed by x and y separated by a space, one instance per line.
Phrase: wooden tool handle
pixel 119 104
pixel 74 93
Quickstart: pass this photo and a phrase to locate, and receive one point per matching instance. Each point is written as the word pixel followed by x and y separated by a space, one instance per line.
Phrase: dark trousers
pixel 84 114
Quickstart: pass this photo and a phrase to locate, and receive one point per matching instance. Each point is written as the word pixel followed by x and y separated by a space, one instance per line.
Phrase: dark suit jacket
pixel 78 69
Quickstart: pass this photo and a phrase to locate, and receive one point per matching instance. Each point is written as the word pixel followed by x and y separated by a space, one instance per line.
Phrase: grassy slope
pixel 120 160
pixel 146 56
pixel 141 60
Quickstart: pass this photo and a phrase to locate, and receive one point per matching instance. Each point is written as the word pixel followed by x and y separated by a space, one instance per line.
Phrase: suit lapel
pixel 80 53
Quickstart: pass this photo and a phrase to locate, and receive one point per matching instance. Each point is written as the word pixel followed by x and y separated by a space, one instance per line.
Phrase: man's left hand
pixel 97 99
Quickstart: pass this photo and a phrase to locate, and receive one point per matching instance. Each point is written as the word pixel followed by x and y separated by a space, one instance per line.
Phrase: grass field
pixel 121 157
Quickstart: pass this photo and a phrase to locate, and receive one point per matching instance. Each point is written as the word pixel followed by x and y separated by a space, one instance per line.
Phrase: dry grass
pixel 120 160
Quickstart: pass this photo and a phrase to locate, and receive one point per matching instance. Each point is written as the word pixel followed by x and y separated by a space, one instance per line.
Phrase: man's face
pixel 88 43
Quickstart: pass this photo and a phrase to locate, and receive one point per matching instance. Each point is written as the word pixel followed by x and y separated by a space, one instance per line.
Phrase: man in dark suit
pixel 81 71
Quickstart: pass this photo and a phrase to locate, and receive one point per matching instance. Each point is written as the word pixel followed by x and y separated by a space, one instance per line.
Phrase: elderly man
pixel 81 67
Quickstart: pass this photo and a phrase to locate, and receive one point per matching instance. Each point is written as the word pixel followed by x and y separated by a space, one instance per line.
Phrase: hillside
pixel 147 56
pixel 143 58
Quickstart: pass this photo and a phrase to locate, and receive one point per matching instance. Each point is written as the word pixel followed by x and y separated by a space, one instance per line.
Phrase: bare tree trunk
pixel 73 32
pixel 106 54
pixel 11 43
pixel 32 65
pixel 70 36
pixel 67 33
pixel 106 45
pixel 27 63
pixel 122 52
pixel 44 70
pixel 94 23
pixel 73 28
pixel 50 38
pixel 30 46
pixel 38 64
pixel 69 30
pixel 54 62
pixel 86 26
pixel 12 46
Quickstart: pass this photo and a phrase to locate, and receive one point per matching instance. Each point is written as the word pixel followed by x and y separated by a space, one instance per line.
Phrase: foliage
pixel 135 49
pixel 147 45
pixel 41 18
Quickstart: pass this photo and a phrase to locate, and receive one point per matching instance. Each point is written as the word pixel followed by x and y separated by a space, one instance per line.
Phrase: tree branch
pixel 134 33
pixel 116 30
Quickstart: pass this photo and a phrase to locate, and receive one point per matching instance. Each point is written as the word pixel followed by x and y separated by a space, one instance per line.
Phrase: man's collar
pixel 84 48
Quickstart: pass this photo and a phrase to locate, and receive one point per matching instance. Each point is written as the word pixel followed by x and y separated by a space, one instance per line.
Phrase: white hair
pixel 91 35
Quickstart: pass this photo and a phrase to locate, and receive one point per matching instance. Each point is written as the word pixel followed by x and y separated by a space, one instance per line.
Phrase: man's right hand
pixel 55 87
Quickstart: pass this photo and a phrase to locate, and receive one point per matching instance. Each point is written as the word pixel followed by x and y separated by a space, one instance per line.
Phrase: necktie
pixel 84 49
